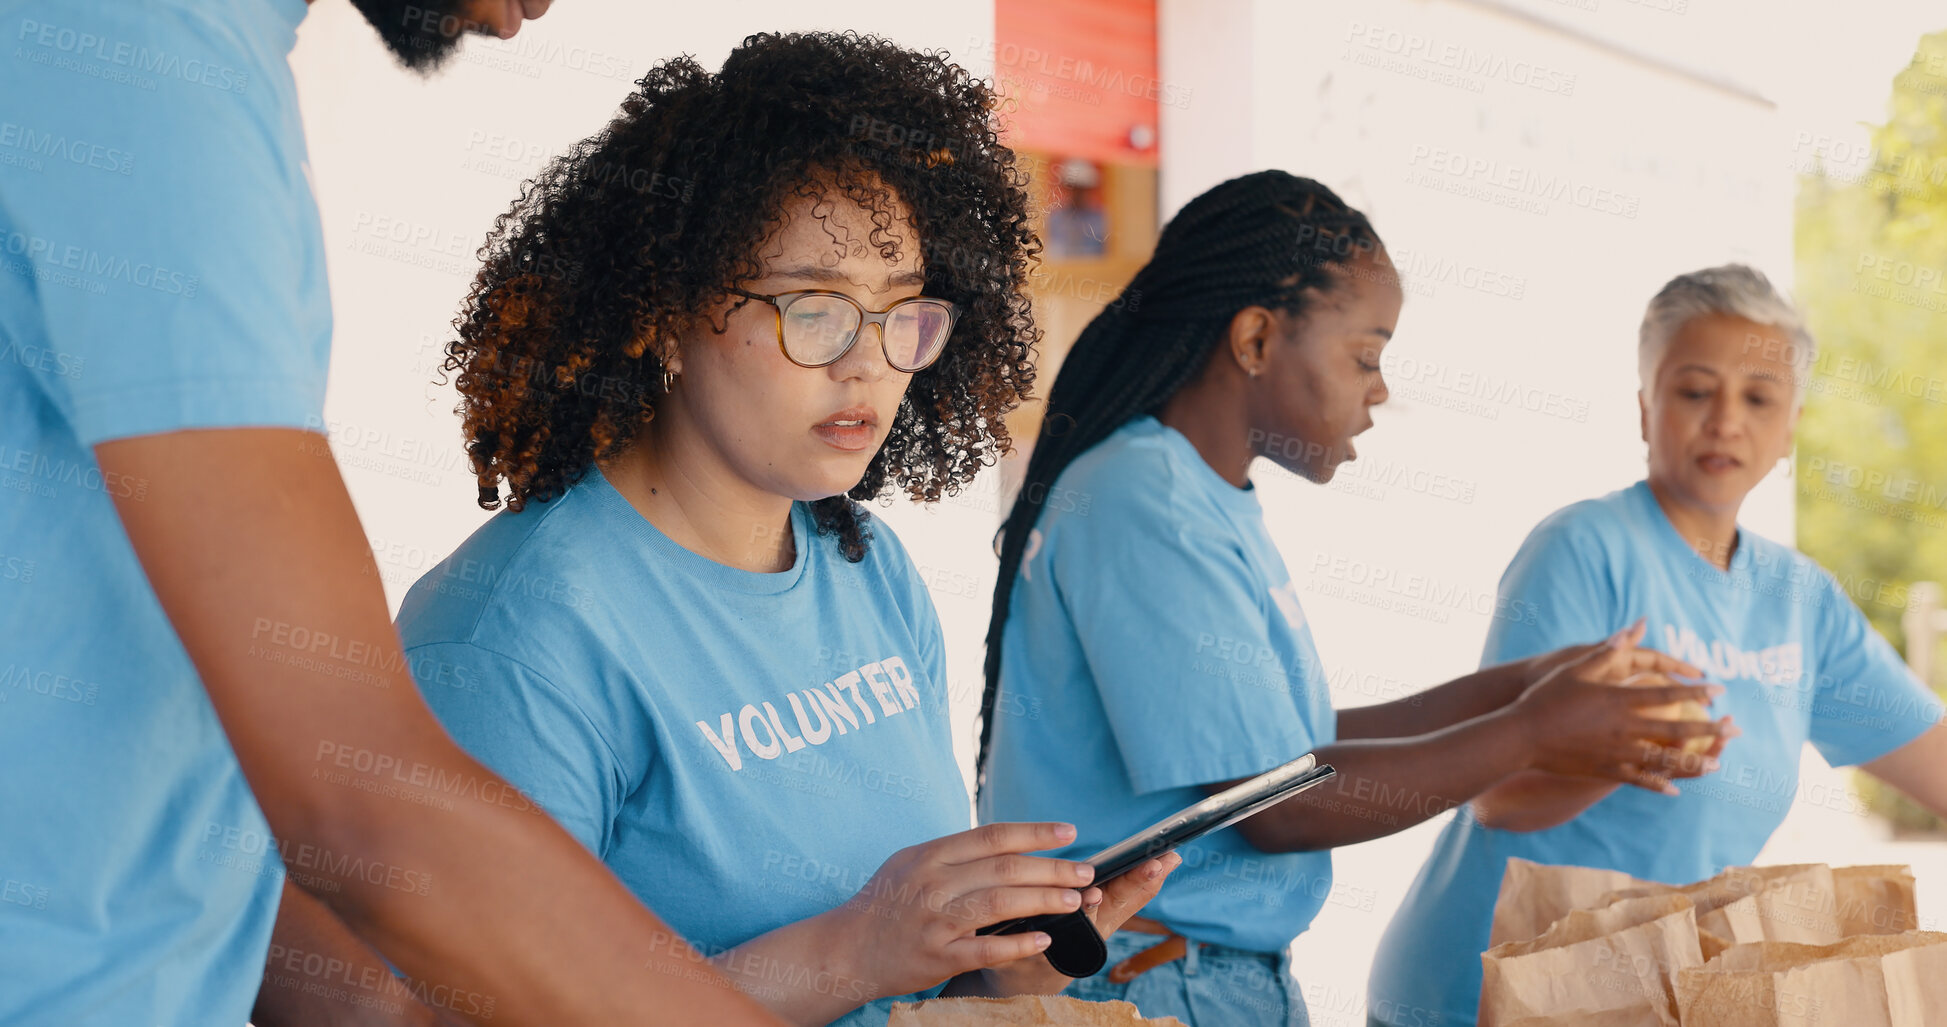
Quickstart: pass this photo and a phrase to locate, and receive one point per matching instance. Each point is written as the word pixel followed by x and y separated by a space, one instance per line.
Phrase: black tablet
pixel 1220 810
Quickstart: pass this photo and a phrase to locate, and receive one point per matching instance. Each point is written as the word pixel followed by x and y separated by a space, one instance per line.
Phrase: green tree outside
pixel 1870 243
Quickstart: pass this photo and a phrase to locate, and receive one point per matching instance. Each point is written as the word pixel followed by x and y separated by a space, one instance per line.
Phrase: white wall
pixel 1516 396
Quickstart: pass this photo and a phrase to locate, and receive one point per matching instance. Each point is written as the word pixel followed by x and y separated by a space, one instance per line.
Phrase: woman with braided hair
pixel 1146 619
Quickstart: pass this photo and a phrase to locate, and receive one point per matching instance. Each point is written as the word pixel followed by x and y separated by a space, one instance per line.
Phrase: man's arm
pixel 349 984
pixel 250 541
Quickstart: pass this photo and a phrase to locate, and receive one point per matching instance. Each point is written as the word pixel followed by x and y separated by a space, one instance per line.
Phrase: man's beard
pixel 422 34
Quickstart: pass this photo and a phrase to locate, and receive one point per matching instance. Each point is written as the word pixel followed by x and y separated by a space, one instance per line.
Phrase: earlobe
pixel 1643 409
pixel 1250 330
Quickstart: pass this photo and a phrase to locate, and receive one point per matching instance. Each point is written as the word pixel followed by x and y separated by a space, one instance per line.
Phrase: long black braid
pixel 1265 239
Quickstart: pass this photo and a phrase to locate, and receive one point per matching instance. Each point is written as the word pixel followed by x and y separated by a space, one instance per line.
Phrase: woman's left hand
pixel 1108 907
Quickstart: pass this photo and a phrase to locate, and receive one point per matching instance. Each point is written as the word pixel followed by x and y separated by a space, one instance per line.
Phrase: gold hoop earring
pixel 669 380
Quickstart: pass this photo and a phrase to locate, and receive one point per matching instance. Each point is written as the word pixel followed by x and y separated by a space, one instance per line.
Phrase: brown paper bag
pixel 1875 900
pixel 1744 905
pixel 1535 895
pixel 1048 1010
pixel 1631 1017
pixel 1783 903
pixel 1864 900
pixel 1621 958
pixel 1807 904
pixel 1878 980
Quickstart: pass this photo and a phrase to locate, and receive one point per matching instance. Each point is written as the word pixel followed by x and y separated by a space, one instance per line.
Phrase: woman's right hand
pixel 1641 660
pixel 1581 720
pixel 912 925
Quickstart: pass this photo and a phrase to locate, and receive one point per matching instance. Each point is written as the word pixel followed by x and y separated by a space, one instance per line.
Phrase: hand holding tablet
pixel 1077 949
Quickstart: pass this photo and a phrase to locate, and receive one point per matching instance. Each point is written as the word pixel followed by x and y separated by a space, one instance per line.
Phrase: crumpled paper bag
pixel 1535 895
pixel 1875 900
pixel 1873 980
pixel 1620 959
pixel 1773 918
pixel 1744 905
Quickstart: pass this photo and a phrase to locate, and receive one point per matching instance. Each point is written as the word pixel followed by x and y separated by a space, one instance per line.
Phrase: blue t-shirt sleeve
pixel 1553 594
pixel 1867 703
pixel 528 730
pixel 175 290
pixel 1156 605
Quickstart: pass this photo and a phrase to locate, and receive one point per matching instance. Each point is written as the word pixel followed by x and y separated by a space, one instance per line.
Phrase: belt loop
pixel 1190 948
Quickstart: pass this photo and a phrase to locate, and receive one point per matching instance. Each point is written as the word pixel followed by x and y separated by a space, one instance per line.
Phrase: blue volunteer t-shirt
pixel 161 268
pixel 1799 661
pixel 1154 644
pixel 744 750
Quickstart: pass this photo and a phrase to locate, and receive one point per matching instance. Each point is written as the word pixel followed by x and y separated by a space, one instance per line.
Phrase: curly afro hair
pixel 621 244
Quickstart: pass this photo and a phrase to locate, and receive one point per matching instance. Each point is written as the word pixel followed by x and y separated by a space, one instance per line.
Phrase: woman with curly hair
pixel 700 340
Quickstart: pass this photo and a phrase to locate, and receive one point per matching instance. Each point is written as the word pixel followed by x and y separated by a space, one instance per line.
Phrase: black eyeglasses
pixel 815 328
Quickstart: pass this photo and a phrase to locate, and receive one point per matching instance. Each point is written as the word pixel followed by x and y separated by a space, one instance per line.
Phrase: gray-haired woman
pixel 1723 361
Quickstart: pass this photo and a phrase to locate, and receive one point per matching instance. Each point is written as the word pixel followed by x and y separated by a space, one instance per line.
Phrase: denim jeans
pixel 1211 986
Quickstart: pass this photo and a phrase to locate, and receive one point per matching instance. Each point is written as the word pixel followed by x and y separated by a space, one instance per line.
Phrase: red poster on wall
pixel 1082 75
